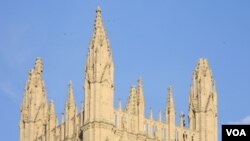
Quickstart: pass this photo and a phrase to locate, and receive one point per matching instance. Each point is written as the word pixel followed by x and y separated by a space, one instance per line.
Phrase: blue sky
pixel 158 40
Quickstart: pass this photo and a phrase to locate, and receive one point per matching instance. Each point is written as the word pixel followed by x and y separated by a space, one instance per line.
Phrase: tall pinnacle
pixel 70 110
pixel 34 83
pixel 99 38
pixel 70 103
pixel 170 113
pixel 99 55
pixel 98 21
pixel 132 101
pixel 99 76
pixel 140 91
pixel 52 115
pixel 52 112
pixel 34 109
pixel 170 104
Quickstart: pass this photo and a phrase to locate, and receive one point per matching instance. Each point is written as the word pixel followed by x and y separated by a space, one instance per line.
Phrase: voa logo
pixel 236 132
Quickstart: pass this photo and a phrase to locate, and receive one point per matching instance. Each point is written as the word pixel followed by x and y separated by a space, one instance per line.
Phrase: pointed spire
pixel 35 84
pixel 140 91
pixel 99 75
pixel 70 111
pixel 132 101
pixel 52 115
pixel 35 105
pixel 170 104
pixel 70 86
pixel 99 53
pixel 70 106
pixel 52 109
pixel 99 37
pixel 170 114
pixel 98 20
pixel 70 98
pixel 141 105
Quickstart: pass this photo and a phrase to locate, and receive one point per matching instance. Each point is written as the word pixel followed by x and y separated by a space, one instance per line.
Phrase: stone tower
pixel 99 120
pixel 203 103
pixel 33 120
pixel 98 85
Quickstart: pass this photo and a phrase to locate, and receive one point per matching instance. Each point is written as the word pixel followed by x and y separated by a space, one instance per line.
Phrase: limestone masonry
pixel 98 120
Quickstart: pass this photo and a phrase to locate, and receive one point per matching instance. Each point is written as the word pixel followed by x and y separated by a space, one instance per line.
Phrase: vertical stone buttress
pixel 33 119
pixel 203 103
pixel 99 85
pixel 170 115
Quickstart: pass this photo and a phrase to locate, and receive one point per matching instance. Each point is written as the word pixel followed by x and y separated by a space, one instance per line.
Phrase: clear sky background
pixel 158 40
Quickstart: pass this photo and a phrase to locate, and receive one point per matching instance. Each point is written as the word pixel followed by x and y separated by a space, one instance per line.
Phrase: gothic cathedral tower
pixel 98 86
pixel 34 106
pixel 98 120
pixel 203 103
